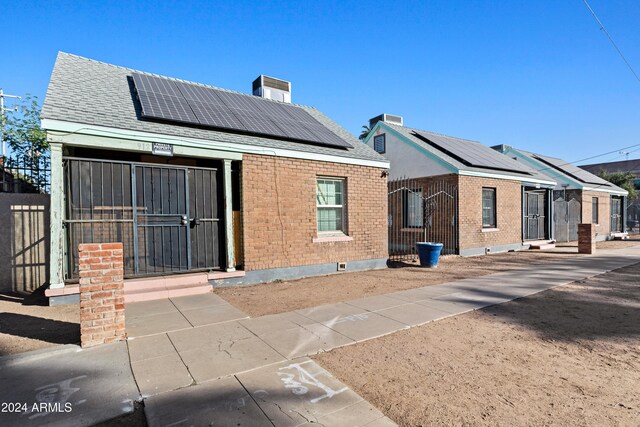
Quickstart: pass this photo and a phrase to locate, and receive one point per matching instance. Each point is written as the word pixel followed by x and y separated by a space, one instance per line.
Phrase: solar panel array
pixel 167 99
pixel 473 153
pixel 572 170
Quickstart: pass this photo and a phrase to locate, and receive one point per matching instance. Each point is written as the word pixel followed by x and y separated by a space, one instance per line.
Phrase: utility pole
pixel 3 95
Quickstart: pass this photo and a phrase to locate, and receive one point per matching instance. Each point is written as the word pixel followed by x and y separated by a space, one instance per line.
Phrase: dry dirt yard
pixel 278 297
pixel 567 356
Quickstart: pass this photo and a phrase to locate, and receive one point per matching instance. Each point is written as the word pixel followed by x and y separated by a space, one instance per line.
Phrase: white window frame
pixel 342 207
pixel 494 208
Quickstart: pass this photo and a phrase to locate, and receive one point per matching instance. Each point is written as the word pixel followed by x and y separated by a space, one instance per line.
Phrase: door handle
pixel 195 221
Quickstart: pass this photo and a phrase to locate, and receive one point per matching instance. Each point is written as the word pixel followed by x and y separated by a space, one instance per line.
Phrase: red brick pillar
pixel 101 293
pixel 586 238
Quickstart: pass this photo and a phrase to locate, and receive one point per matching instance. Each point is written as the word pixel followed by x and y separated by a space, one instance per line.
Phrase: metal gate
pixel 616 214
pixel 566 217
pixel 167 217
pixel 421 210
pixel 535 225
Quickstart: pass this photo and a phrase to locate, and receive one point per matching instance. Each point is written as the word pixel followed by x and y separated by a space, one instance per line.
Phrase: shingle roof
pixel 527 173
pixel 90 92
pixel 570 171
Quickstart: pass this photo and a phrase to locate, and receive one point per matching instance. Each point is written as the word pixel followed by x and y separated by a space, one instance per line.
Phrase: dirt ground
pixel 29 324
pixel 278 297
pixel 567 356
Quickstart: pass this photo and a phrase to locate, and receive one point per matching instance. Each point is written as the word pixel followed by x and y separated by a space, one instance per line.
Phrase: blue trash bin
pixel 429 253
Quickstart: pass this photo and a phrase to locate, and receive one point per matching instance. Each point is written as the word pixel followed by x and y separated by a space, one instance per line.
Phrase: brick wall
pixel 604 211
pixel 279 213
pixel 101 293
pixel 586 238
pixel 508 208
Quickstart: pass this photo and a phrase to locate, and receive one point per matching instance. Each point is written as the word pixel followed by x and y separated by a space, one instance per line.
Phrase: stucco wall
pixel 24 237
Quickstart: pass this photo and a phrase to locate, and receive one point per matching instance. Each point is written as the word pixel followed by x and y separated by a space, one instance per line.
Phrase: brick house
pixel 204 185
pixel 578 197
pixel 502 204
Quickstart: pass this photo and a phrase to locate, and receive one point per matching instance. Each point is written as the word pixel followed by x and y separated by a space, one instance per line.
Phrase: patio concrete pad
pixel 97 382
pixel 276 322
pixel 412 314
pixel 208 336
pixel 192 302
pixel 213 314
pixel 294 393
pixel 155 324
pixel 302 341
pixel 375 303
pixel 327 312
pixel 227 358
pixel 161 374
pixel 149 308
pixel 149 347
pixel 356 415
pixel 222 403
pixel 364 326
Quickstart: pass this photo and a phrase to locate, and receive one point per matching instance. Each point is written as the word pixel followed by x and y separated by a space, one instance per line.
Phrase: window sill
pixel 490 230
pixel 332 238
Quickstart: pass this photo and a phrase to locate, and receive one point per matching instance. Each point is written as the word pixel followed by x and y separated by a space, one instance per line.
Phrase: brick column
pixel 101 293
pixel 586 238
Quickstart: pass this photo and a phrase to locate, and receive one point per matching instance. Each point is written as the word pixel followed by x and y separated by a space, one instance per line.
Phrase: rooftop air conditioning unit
pixel 271 88
pixel 386 118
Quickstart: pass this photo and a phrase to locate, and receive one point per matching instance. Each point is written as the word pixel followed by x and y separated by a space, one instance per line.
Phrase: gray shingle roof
pixel 90 92
pixel 471 146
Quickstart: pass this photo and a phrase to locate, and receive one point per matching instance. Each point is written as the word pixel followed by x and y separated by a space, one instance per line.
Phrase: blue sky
pixel 537 75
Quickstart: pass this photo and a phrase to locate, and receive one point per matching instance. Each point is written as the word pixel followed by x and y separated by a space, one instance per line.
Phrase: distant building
pixel 633 166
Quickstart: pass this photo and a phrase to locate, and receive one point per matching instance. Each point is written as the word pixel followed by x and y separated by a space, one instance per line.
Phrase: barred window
pixel 489 208
pixel 330 204
pixel 594 210
pixel 413 208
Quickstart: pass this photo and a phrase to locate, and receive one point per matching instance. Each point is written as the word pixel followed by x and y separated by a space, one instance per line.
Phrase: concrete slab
pixel 192 302
pixel 276 322
pixel 96 384
pixel 382 422
pixel 222 403
pixel 208 336
pixel 413 314
pixel 213 314
pixel 302 341
pixel 413 295
pixel 446 306
pixel 149 308
pixel 294 393
pixel 364 326
pixel 227 358
pixel 375 303
pixel 161 374
pixel 327 312
pixel 155 324
pixel 149 347
pixel 356 415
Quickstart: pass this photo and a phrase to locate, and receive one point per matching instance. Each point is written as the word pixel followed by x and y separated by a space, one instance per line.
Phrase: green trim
pixel 418 147
pixel 548 170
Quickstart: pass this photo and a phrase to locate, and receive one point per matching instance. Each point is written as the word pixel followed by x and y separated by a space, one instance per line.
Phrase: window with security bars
pixel 413 208
pixel 379 143
pixel 594 210
pixel 330 202
pixel 489 208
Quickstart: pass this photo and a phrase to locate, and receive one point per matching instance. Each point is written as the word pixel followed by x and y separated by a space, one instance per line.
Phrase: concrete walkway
pixel 198 360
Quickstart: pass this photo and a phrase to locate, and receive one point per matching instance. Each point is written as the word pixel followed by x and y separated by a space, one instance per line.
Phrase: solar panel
pixel 166 107
pixel 167 99
pixel 473 153
pixel 572 170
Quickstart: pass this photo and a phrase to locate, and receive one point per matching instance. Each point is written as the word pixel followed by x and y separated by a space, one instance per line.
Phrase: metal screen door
pixel 534 219
pixel 167 217
pixel 616 214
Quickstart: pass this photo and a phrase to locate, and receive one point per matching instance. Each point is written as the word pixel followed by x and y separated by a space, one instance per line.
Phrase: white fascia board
pixel 606 190
pixel 509 177
pixel 84 129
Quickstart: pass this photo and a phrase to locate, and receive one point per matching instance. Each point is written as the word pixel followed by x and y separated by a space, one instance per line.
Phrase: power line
pixel 611 40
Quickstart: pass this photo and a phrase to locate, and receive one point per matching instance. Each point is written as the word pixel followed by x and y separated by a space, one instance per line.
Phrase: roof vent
pixel 270 88
pixel 386 118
